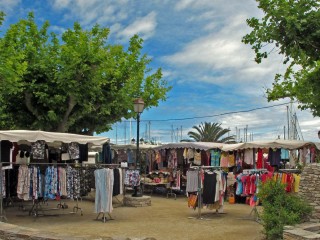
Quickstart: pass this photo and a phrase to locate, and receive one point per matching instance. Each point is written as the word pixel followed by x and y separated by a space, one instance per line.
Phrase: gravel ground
pixel 166 218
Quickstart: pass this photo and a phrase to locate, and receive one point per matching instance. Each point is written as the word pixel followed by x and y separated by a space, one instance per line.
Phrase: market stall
pixel 27 151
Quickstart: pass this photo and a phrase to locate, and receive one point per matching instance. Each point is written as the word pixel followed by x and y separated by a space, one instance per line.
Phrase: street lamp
pixel 138 106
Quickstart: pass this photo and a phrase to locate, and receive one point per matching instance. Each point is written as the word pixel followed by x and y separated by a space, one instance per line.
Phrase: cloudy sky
pixel 198 46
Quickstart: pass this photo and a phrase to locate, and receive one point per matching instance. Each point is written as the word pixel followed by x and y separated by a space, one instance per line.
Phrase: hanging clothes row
pixel 290 180
pixel 206 187
pixel 54 183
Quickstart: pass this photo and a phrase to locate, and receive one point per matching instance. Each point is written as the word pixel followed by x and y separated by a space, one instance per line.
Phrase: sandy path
pixel 166 218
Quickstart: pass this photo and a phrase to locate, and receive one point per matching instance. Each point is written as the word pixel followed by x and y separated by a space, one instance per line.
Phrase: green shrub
pixel 280 208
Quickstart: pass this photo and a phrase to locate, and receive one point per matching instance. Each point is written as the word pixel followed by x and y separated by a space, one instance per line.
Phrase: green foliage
pixel 280 208
pixel 290 28
pixel 75 82
pixel 210 132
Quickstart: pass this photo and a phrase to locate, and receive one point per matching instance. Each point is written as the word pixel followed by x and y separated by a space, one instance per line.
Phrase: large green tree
pixel 75 82
pixel 210 132
pixel 291 28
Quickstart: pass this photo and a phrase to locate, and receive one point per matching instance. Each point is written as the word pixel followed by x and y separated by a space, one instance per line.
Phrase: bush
pixel 280 208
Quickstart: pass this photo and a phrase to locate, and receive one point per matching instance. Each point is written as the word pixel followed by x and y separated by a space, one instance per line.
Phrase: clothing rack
pixel 2 213
pixel 255 170
pixel 254 214
pixel 198 168
pixel 298 171
pixel 98 165
pixel 104 217
pixel 36 203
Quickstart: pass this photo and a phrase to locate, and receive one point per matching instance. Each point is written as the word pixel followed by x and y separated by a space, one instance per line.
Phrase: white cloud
pixel 144 27
pixel 8 6
pixel 59 4
pixel 93 11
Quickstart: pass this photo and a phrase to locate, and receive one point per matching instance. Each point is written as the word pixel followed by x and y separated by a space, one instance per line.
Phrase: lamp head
pixel 138 105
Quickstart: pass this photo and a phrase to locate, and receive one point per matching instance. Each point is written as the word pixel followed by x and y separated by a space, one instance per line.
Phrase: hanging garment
pixel 104 180
pixel 248 156
pixel 197 157
pixel 215 158
pixel 192 181
pixel 116 183
pixel 274 157
pixel 209 187
pixel 106 154
pixel 23 183
pixel 38 149
pixel 132 178
pixel 224 161
pixel 6 152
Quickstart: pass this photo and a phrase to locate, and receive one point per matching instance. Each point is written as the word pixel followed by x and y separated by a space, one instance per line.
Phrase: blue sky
pixel 197 43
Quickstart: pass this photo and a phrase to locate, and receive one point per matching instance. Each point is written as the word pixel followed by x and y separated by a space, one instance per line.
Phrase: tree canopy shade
pixel 292 28
pixel 75 82
pixel 210 132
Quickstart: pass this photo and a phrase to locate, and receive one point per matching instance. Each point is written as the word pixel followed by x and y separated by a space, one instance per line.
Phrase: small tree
pixel 210 132
pixel 280 208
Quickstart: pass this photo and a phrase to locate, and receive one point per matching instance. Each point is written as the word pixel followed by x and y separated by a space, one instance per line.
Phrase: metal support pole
pixel 2 215
pixel 137 189
pixel 138 140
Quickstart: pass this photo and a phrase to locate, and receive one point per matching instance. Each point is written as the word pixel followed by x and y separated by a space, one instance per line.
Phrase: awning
pixel 53 138
pixel 285 144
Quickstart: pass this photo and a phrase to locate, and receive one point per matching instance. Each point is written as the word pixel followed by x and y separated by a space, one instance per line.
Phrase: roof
pixel 50 137
pixel 286 144
pixel 195 145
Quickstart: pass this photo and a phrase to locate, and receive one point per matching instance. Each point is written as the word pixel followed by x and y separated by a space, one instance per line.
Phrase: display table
pixel 149 187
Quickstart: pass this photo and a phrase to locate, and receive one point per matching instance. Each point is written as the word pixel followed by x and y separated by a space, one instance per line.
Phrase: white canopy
pixel 132 146
pixel 195 145
pixel 52 138
pixel 286 144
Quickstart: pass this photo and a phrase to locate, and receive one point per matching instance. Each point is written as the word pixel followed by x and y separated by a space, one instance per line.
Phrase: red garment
pixel 289 186
pixel 266 176
pixel 248 185
pixel 259 159
pixel 253 186
pixel 205 158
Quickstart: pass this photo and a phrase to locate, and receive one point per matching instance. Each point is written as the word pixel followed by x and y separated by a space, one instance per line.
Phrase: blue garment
pixel 284 154
pixel 215 158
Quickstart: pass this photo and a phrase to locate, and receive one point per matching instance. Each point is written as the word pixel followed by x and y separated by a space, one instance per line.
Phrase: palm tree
pixel 210 132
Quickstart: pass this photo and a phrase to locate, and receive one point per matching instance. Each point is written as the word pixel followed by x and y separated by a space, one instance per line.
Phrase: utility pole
pixel 125 132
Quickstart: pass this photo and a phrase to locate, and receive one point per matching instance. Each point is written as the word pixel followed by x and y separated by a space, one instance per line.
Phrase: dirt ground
pixel 166 218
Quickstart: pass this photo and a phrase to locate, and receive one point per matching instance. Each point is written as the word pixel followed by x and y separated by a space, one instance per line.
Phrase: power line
pixel 215 115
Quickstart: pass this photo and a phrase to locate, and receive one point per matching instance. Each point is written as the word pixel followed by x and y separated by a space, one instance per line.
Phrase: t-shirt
pixel 296 182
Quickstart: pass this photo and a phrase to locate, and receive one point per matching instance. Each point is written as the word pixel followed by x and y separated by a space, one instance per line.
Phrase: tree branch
pixel 28 98
pixel 62 127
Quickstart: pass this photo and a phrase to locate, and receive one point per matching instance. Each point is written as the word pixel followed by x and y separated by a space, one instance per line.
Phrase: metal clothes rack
pixel 255 170
pixel 254 214
pixel 199 191
pixel 298 171
pixel 36 208
pixel 101 165
pixel 170 190
pixel 2 213
pixel 104 217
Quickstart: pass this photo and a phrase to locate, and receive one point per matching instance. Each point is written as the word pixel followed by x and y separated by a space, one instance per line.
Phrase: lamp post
pixel 138 106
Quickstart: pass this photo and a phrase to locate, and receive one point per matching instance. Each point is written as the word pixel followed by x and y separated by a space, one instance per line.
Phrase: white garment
pixel 248 156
